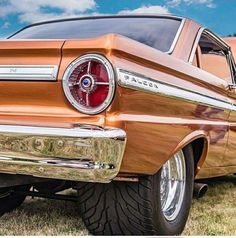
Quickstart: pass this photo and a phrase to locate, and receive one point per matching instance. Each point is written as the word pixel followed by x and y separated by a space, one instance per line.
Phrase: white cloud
pixel 29 11
pixel 174 3
pixel 35 10
pixel 6 25
pixel 147 10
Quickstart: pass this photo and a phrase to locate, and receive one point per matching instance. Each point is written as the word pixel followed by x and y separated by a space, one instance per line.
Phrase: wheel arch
pixel 199 141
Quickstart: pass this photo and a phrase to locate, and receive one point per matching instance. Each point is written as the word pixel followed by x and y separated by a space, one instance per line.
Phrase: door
pixel 230 155
pixel 213 56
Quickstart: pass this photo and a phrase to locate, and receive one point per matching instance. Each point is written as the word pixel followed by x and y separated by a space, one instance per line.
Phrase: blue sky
pixel 217 15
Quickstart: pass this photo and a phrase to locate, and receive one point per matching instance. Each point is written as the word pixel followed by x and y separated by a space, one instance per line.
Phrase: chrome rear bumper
pixel 85 153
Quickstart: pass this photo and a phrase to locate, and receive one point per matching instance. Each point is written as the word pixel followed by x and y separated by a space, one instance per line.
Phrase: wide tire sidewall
pixel 13 200
pixel 133 208
pixel 175 227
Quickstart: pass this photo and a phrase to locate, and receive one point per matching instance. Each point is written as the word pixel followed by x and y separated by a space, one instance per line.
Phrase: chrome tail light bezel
pixel 111 76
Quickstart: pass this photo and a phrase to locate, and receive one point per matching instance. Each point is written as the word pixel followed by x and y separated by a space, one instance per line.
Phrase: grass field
pixel 214 214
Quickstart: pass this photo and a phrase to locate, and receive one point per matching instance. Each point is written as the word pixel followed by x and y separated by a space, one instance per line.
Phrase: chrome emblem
pixel 28 72
pixel 13 70
pixel 137 81
pixel 142 83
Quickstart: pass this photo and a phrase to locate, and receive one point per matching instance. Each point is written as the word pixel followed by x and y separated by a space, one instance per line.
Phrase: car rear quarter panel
pixel 157 125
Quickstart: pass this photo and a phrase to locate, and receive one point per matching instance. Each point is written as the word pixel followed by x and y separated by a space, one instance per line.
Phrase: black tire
pixel 10 200
pixel 133 208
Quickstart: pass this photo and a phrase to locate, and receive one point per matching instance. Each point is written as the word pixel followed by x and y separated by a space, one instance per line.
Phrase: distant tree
pixel 232 35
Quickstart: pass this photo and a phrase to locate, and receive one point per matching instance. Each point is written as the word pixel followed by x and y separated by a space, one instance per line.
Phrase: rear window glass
pixel 156 32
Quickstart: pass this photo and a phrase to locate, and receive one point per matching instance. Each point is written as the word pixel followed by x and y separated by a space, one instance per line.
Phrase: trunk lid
pixel 29 52
pixel 29 91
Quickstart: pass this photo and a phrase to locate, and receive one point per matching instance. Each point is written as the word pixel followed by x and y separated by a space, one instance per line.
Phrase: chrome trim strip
pixel 166 16
pixel 212 35
pixel 233 67
pixel 199 34
pixel 29 72
pixel 176 36
pixel 64 163
pixel 99 17
pixel 139 82
pixel 83 153
pixel 217 38
pixel 82 131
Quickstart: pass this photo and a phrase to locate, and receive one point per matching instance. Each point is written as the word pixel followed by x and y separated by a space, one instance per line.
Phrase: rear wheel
pixel 9 199
pixel 156 205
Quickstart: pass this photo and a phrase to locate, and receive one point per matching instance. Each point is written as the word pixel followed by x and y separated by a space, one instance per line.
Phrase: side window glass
pixel 195 61
pixel 214 59
pixel 233 69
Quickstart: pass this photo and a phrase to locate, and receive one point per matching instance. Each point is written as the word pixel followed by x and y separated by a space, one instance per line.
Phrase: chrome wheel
pixel 173 182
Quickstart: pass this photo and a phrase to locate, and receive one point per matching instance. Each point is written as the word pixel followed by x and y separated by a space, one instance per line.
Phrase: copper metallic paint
pixel 156 126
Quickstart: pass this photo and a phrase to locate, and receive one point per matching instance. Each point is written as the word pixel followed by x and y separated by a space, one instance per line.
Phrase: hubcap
pixel 173 182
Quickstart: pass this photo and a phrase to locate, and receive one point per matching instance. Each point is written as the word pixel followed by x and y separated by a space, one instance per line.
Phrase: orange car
pixel 127 110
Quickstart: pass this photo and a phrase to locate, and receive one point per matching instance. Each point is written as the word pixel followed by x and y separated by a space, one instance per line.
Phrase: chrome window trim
pixel 140 82
pixel 233 67
pixel 111 75
pixel 202 30
pixel 217 38
pixel 166 16
pixel 194 48
pixel 221 44
pixel 29 72
pixel 229 60
pixel 178 33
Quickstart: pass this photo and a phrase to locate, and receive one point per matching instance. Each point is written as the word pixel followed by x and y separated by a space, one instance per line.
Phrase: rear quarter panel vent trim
pixel 28 72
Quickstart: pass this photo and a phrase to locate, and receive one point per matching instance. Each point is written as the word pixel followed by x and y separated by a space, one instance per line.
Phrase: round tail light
pixel 89 83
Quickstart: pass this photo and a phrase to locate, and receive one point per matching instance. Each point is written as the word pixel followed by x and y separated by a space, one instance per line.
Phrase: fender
pixel 188 140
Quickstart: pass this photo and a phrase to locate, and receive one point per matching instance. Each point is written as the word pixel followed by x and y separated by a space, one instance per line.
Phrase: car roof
pixel 170 16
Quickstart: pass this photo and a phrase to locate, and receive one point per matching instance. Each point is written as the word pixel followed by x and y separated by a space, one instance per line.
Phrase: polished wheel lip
pixel 172 186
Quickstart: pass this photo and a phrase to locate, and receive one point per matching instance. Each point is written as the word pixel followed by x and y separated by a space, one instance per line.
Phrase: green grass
pixel 214 214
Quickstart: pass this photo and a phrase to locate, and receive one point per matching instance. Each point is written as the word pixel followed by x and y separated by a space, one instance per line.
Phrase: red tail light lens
pixel 89 83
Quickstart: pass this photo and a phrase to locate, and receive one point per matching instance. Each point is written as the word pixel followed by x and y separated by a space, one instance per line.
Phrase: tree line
pixel 232 35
